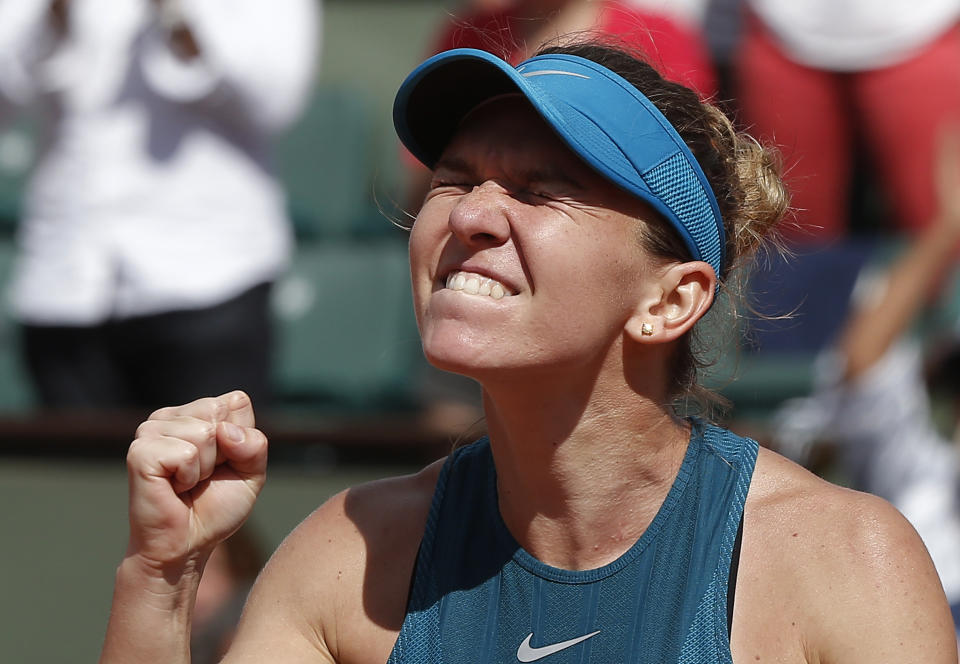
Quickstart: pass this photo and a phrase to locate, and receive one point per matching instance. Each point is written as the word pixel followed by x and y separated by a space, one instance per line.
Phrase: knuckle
pixel 162 413
pixel 190 453
pixel 208 431
pixel 211 408
pixel 135 453
pixel 147 429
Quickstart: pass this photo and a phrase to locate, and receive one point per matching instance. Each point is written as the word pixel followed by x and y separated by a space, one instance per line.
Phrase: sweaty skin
pixel 826 574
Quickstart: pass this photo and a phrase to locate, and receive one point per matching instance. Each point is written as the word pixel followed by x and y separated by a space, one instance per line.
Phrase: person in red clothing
pixel 823 79
pixel 514 29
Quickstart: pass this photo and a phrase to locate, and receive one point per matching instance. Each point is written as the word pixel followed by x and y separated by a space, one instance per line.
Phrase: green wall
pixel 373 46
pixel 63 529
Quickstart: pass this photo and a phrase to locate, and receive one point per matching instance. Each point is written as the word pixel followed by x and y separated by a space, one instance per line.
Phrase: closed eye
pixel 452 173
pixel 440 184
pixel 444 187
pixel 532 197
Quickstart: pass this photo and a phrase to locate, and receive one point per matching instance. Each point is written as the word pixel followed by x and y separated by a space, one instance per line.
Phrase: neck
pixel 582 470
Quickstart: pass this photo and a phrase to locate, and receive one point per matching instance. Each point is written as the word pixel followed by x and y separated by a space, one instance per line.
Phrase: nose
pixel 481 216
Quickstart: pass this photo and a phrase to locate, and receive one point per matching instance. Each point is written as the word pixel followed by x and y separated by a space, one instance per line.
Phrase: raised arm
pixel 908 285
pixel 335 590
pixel 30 32
pixel 248 59
pixel 194 472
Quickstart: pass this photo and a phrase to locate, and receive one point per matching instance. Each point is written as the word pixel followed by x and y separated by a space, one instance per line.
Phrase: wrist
pixel 151 614
pixel 166 586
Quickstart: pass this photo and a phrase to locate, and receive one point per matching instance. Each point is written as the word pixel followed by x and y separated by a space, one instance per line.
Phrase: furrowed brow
pixel 548 175
pixel 541 174
pixel 453 165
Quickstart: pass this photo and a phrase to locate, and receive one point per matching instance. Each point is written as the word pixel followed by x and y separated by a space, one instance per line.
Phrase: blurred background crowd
pixel 203 195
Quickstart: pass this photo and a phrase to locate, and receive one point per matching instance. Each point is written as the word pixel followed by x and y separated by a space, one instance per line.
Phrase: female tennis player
pixel 583 216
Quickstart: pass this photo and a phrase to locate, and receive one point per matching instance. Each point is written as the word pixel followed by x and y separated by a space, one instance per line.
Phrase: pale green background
pixel 63 522
pixel 63 528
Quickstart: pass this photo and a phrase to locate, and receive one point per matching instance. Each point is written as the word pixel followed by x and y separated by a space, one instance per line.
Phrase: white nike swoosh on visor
pixel 527 654
pixel 547 72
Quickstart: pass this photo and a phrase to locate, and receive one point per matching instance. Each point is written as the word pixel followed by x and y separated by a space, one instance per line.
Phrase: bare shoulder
pixel 340 579
pixel 837 575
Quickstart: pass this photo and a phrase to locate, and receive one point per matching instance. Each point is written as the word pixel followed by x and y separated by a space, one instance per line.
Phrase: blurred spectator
pixel 722 27
pixel 667 32
pixel 814 76
pixel 153 223
pixel 872 401
pixel 227 578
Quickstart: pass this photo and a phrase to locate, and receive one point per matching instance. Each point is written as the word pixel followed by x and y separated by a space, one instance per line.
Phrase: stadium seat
pixel 347 338
pixel 800 302
pixel 15 391
pixel 17 154
pixel 327 166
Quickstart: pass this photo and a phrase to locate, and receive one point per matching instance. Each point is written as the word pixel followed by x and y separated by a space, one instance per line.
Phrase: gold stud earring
pixel 646 329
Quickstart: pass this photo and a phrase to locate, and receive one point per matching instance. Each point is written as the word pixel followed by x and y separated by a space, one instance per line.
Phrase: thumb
pixel 239 408
pixel 243 448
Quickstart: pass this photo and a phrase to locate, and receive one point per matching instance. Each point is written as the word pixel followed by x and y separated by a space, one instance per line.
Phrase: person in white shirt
pixel 153 223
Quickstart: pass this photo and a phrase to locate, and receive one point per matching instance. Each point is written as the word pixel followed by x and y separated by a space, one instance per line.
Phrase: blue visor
pixel 606 121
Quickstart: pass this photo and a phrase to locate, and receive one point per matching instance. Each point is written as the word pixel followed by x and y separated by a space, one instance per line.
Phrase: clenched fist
pixel 195 472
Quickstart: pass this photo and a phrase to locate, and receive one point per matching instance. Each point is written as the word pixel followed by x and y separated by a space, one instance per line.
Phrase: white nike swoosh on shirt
pixel 527 654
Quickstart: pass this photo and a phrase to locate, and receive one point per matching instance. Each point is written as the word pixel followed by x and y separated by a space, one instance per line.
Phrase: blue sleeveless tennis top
pixel 478 598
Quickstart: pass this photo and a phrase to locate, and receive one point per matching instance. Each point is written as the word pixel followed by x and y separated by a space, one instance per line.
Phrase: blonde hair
pixel 745 177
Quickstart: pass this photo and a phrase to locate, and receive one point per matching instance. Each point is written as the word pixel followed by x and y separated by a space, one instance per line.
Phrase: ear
pixel 680 297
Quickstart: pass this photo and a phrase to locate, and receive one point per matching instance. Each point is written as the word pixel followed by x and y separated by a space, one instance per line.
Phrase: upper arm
pixel 833 576
pixel 26 40
pixel 285 616
pixel 336 589
pixel 265 53
pixel 878 597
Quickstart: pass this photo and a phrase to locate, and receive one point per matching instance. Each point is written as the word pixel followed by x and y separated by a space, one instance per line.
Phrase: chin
pixel 454 360
pixel 453 351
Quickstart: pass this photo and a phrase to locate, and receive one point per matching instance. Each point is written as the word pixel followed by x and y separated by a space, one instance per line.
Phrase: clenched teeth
pixel 476 284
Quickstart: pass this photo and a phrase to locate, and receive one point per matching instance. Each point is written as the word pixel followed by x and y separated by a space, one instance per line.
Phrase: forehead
pixel 509 124
pixel 506 136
